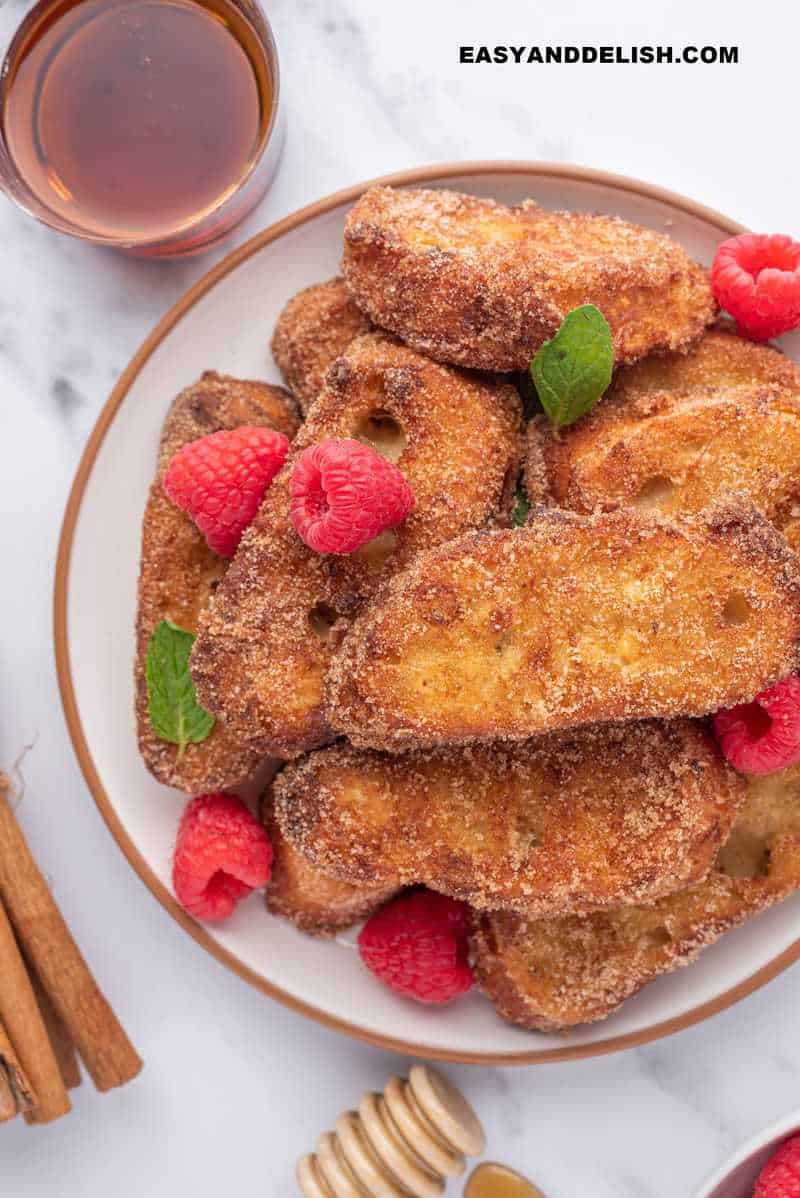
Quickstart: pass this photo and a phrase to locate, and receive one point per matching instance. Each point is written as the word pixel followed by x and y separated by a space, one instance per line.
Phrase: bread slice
pixel 571 620
pixel 312 331
pixel 721 358
pixel 315 902
pixel 676 433
pixel 472 282
pixel 613 814
pixel 178 571
pixel 267 638
pixel 552 974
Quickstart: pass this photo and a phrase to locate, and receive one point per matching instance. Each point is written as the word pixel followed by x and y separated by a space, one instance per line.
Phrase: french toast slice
pixel 720 358
pixel 178 572
pixel 267 638
pixel 315 902
pixel 313 330
pixel 553 974
pixel 677 447
pixel 571 620
pixel 606 815
pixel 472 282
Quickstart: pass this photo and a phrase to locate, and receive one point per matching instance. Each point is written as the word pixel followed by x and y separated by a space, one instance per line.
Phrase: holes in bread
pixel 211 571
pixel 376 551
pixel 745 854
pixel 654 492
pixel 323 619
pixel 382 432
pixel 737 609
pixel 655 937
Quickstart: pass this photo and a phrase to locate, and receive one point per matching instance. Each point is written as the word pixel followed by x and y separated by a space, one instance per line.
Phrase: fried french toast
pixel 678 447
pixel 472 282
pixel 571 620
pixel 495 704
pixel 178 571
pixel 314 328
pixel 267 638
pixel 553 974
pixel 318 904
pixel 721 358
pixel 606 815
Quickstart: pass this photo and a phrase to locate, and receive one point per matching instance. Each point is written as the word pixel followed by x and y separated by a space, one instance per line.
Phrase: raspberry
pixel 344 494
pixel 763 736
pixel 757 279
pixel 417 945
pixel 220 480
pixel 221 854
pixel 780 1177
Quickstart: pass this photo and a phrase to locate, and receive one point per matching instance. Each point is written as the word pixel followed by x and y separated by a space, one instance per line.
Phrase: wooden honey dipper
pixel 406 1141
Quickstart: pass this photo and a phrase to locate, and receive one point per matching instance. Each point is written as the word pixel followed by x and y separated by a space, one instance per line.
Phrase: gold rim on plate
pixel 428 174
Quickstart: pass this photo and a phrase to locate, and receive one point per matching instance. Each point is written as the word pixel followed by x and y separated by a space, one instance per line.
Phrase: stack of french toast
pixel 510 711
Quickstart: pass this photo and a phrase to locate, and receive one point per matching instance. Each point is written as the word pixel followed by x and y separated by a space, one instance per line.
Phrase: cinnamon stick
pixel 8 1103
pixel 16 1092
pixel 48 944
pixel 58 1032
pixel 25 1029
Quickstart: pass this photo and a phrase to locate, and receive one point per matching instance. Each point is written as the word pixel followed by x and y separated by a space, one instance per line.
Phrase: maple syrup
pixel 129 120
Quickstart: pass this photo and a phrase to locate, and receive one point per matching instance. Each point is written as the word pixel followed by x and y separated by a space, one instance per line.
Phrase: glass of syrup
pixel 152 126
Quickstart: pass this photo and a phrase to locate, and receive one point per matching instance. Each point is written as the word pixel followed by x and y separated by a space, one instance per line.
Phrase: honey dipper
pixel 406 1141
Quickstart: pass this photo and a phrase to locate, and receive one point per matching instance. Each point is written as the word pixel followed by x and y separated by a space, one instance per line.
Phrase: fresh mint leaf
pixel 175 714
pixel 522 505
pixel 573 369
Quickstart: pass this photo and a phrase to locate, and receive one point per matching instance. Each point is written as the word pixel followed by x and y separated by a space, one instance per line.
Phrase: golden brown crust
pixel 719 359
pixel 608 815
pixel 552 974
pixel 571 620
pixel 312 331
pixel 472 282
pixel 257 663
pixel 315 902
pixel 178 571
pixel 675 433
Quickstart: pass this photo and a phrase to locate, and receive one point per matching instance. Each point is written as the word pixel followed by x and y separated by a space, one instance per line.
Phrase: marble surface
pixel 235 1087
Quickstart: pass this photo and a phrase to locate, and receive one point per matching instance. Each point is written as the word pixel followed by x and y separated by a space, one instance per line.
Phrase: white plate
pixel 737 1176
pixel 224 323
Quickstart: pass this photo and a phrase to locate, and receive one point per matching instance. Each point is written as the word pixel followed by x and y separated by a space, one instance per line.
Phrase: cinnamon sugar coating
pixel 571 620
pixel 178 571
pixel 674 433
pixel 315 902
pixel 267 638
pixel 721 358
pixel 553 974
pixel 472 282
pixel 313 330
pixel 606 815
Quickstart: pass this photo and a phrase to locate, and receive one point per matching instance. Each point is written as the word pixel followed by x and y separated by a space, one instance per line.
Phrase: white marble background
pixel 235 1087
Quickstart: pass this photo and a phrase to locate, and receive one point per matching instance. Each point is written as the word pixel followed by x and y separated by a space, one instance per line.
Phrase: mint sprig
pixel 522 505
pixel 574 368
pixel 172 704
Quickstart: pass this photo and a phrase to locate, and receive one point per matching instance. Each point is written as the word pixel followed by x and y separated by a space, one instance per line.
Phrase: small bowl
pixel 197 232
pixel 737 1176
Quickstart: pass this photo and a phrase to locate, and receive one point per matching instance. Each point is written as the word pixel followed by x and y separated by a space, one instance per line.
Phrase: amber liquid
pixel 132 119
pixel 496 1181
